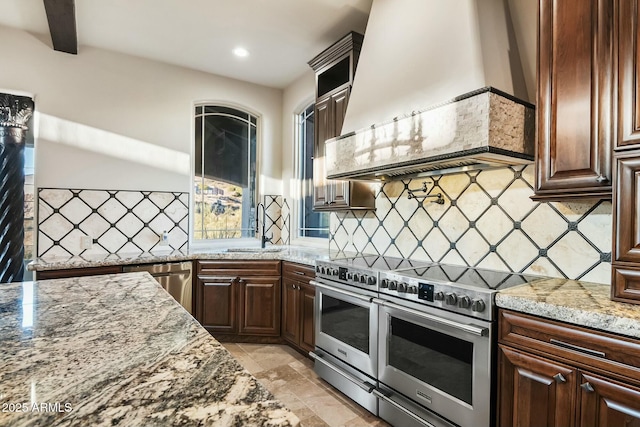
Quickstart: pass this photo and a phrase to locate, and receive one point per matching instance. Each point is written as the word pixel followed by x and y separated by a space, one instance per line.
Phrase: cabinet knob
pixel 602 179
pixel 587 387
pixel 559 378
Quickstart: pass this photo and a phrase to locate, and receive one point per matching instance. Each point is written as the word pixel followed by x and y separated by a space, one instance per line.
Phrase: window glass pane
pixel 311 224
pixel 225 174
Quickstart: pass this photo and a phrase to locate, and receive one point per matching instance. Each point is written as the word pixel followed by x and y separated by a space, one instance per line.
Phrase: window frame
pixel 296 232
pixel 240 242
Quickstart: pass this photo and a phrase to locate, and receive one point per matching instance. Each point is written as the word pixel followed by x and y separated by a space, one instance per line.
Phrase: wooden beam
pixel 61 15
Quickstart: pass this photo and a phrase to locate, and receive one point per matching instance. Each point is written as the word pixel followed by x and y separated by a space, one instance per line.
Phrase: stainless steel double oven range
pixel 412 342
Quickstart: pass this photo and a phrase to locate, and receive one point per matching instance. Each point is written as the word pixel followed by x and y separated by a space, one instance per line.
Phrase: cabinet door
pixel 259 305
pixel 575 99
pixel 217 302
pixel 534 391
pixel 626 220
pixel 323 131
pixel 628 75
pixel 604 403
pixel 290 311
pixel 339 190
pixel 307 305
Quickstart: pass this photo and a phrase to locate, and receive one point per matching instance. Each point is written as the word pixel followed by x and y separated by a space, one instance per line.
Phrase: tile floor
pixel 290 377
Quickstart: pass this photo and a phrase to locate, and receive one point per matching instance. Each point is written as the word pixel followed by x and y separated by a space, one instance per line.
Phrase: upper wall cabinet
pixel 576 103
pixel 628 76
pixel 335 68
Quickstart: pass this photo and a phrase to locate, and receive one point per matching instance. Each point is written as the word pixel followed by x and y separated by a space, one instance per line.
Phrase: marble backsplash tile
pixel 117 221
pixel 488 220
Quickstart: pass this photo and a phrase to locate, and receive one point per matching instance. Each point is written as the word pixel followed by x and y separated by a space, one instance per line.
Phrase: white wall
pixel 113 121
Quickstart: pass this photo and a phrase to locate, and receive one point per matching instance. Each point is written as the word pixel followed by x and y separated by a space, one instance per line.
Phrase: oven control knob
pixel 323 270
pixel 363 279
pixel 439 296
pixel 477 305
pixel 412 289
pixel 393 285
pixel 384 283
pixel 371 281
pixel 464 302
pixel 335 271
pixel 402 287
pixel 356 277
pixel 317 269
pixel 451 298
pixel 350 276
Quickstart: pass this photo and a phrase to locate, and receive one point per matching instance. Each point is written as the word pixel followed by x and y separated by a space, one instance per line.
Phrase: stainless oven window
pixel 443 361
pixel 346 322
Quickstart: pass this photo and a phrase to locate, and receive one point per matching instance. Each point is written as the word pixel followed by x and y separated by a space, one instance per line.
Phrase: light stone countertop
pixel 579 303
pixel 302 255
pixel 118 350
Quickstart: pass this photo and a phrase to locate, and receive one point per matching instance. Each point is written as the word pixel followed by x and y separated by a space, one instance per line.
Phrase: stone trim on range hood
pixel 480 129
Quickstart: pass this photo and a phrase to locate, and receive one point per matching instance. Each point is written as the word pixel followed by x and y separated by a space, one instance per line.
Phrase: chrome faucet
pixel 264 239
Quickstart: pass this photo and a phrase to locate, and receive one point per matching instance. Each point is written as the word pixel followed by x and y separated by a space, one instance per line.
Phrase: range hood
pixel 481 129
pixel 440 87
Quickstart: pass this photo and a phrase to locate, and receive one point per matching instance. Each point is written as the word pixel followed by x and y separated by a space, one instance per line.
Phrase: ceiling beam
pixel 61 15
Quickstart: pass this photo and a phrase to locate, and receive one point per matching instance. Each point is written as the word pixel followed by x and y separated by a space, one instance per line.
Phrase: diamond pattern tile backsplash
pixel 488 220
pixel 276 219
pixel 117 221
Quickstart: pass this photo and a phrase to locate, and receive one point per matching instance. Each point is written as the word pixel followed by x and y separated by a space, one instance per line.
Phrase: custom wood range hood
pixel 443 93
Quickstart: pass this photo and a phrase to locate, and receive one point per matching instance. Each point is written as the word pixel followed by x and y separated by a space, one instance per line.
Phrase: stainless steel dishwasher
pixel 175 278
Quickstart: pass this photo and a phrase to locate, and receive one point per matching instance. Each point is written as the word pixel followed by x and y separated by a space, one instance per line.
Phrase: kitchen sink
pixel 256 250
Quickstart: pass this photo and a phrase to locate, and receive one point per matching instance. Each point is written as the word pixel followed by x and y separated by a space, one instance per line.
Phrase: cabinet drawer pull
pixel 299 273
pixel 559 378
pixel 577 348
pixel 587 387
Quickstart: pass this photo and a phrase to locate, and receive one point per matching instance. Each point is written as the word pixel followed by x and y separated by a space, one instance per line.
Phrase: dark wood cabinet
pixel 218 307
pixel 77 272
pixel 238 297
pixel 335 68
pixel 628 75
pixel 535 391
pixel 260 305
pixel 606 403
pixel 298 301
pixel 576 101
pixel 555 374
pixel 625 278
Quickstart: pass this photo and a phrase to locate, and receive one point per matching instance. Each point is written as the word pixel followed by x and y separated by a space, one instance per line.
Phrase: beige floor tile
pixel 289 376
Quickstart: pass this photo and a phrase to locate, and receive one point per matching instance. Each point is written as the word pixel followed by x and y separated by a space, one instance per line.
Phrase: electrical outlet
pixel 164 239
pixel 86 242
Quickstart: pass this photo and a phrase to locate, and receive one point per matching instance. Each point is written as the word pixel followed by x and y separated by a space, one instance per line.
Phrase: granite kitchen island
pixel 118 350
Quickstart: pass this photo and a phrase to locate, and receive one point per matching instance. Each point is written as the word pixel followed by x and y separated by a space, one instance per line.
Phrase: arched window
pixel 225 173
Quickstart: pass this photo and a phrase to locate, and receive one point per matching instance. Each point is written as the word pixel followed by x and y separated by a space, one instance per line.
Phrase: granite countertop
pixel 118 350
pixel 576 302
pixel 302 255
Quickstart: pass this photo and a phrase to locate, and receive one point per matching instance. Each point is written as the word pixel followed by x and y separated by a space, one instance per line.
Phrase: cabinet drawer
pixel 77 272
pixel 298 271
pixel 612 354
pixel 238 268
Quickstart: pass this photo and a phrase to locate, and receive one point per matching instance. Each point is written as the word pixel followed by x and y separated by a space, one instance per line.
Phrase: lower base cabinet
pixel 239 297
pixel 552 374
pixel 298 301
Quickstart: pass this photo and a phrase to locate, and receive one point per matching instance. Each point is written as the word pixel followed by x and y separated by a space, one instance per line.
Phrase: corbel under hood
pixel 481 129
pixel 423 96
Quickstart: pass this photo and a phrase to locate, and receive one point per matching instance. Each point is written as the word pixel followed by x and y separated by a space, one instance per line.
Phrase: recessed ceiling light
pixel 241 52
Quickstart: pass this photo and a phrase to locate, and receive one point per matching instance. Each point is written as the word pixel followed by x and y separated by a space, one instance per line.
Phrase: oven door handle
pixel 401 408
pixel 362 384
pixel 475 330
pixel 341 291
